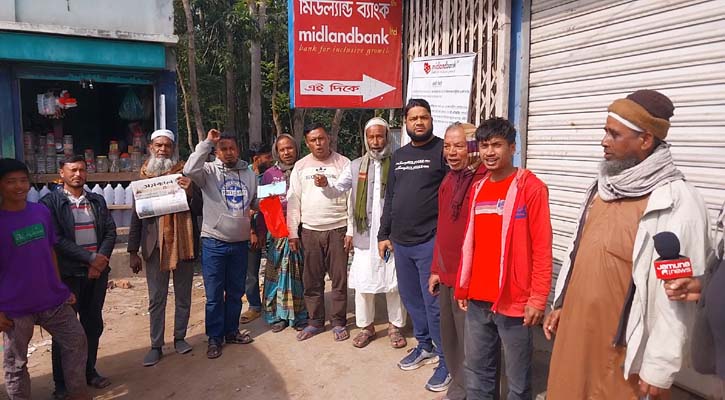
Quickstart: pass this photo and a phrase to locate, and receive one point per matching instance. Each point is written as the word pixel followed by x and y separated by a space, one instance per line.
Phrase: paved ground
pixel 275 366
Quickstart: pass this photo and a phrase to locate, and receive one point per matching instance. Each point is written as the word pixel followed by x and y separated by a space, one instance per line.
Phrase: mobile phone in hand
pixel 437 288
pixel 386 255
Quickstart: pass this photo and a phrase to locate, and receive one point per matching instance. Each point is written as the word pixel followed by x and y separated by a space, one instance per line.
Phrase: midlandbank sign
pixel 354 36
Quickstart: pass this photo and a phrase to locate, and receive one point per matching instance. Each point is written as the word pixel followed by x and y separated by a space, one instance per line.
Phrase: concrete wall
pixel 146 17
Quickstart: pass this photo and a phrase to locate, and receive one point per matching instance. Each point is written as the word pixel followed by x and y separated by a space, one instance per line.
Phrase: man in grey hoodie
pixel 229 189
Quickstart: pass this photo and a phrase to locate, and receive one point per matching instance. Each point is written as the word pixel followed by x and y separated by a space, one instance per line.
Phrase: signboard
pixel 445 82
pixel 345 53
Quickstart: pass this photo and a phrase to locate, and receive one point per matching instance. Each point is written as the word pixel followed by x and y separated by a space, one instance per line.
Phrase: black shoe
pixel 60 393
pixel 152 357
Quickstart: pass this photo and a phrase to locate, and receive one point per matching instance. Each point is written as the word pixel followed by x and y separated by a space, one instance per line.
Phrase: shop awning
pixel 43 48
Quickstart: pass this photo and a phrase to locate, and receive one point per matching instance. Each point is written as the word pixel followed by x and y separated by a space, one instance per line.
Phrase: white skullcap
pixel 377 121
pixel 163 132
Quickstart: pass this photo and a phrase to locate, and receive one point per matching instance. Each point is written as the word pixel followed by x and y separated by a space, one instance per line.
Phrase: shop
pixel 67 95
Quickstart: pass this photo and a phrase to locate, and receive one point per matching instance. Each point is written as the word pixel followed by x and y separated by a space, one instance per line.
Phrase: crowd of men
pixel 453 233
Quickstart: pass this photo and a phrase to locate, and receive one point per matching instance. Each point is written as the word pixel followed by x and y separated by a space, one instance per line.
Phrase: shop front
pixel 64 96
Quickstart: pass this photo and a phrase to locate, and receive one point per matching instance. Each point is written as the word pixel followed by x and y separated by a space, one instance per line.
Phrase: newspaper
pixel 158 196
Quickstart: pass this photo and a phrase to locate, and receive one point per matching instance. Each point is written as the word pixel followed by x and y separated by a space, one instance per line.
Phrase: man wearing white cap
pixel 164 241
pixel 369 273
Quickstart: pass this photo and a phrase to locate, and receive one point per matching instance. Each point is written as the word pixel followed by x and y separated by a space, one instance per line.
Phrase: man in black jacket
pixel 86 235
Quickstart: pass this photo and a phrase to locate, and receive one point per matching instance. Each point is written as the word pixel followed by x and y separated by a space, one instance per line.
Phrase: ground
pixel 275 366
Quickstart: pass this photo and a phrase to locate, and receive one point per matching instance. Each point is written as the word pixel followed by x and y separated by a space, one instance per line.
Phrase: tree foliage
pixel 213 21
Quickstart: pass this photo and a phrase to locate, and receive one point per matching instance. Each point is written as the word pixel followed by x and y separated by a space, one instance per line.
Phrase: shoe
pixel 440 380
pixel 416 358
pixel 214 350
pixel 98 381
pixel 152 357
pixel 181 346
pixel 243 337
pixel 60 393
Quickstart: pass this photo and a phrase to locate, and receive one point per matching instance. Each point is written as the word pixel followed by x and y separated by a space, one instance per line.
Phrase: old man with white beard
pixel 164 242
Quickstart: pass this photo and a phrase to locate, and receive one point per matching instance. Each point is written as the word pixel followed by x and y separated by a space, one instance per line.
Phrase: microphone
pixel 670 264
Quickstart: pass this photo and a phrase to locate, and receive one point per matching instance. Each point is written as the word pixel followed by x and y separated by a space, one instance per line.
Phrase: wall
pixel 144 17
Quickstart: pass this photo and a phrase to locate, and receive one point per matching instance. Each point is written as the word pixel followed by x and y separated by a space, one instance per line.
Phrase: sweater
pixel 307 203
pixel 228 194
pixel 410 214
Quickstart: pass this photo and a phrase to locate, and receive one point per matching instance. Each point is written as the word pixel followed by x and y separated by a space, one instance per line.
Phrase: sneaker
pixel 182 346
pixel 60 393
pixel 416 358
pixel 152 357
pixel 440 380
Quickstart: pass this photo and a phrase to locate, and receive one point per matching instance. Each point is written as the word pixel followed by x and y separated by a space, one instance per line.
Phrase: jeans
pixel 224 268
pixel 90 296
pixel 252 285
pixel 412 266
pixel 483 334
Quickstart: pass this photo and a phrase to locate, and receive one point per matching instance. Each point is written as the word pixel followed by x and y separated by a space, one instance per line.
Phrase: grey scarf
pixel 656 170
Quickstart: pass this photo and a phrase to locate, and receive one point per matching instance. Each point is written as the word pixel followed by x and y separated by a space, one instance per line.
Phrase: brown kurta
pixel 584 363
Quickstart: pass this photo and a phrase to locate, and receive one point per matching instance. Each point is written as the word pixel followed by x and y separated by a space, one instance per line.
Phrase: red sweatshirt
pixel 449 236
pixel 526 239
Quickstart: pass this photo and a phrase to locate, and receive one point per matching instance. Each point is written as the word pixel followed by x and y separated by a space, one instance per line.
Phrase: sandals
pixel 242 337
pixel 99 382
pixel 364 338
pixel 340 333
pixel 309 332
pixel 249 316
pixel 279 326
pixel 214 350
pixel 397 340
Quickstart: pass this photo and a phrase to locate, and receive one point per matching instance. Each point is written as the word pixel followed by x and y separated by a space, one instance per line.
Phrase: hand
pixel 213 135
pixel 654 393
pixel 5 323
pixel 93 273
pixel 463 305
pixel 321 180
pixel 683 289
pixel 184 182
pixel 99 263
pixel 551 323
pixel 294 245
pixel 134 262
pixel 382 246
pixel 532 316
pixel 434 280
pixel 71 300
pixel 348 244
pixel 253 241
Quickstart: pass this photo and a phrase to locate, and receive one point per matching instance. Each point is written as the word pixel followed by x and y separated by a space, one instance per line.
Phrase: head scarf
pixel 286 168
pixel 360 213
pixel 464 177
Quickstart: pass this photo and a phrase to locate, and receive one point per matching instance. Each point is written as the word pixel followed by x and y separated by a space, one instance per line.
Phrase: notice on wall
pixel 445 82
pixel 346 53
pixel 159 196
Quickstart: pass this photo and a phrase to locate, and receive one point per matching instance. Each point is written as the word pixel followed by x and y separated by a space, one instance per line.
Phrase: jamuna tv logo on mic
pixel 673 269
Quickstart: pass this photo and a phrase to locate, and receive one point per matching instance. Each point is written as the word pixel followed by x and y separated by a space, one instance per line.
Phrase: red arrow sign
pixel 352 49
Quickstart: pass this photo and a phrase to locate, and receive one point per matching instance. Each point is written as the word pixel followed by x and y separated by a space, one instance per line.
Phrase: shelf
pixel 98 177
pixel 120 207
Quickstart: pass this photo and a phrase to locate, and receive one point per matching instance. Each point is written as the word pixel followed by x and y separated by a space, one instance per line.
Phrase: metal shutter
pixel 586 53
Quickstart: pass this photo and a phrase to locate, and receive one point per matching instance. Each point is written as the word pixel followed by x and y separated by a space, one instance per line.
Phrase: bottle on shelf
pixel 108 194
pixel 119 195
pixel 33 195
pixel 43 191
pixel 97 190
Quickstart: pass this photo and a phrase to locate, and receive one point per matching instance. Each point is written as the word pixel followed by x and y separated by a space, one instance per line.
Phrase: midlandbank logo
pixel 439 66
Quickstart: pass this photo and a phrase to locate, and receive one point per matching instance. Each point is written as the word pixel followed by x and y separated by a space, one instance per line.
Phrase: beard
pixel 158 166
pixel 419 139
pixel 615 167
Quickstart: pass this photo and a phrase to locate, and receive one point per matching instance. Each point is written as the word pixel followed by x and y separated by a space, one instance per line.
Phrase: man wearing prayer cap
pixel 617 335
pixel 164 241
pixel 369 273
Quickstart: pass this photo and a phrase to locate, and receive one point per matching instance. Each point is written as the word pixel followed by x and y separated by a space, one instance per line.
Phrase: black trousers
pixel 90 296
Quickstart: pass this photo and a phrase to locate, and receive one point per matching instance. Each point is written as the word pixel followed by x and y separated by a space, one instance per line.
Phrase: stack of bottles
pixel 113 196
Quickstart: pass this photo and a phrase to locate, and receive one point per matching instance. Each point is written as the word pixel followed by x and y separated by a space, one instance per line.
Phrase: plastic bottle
pixel 33 195
pixel 129 196
pixel 128 214
pixel 108 194
pixel 97 190
pixel 43 191
pixel 119 195
pixel 86 188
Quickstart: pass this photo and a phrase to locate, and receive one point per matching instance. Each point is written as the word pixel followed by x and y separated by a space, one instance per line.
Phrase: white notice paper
pixel 159 196
pixel 273 189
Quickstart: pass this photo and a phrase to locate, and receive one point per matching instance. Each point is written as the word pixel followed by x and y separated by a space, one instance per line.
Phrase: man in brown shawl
pixel 164 242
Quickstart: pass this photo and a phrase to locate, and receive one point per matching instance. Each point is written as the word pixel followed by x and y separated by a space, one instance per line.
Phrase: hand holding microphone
pixel 675 269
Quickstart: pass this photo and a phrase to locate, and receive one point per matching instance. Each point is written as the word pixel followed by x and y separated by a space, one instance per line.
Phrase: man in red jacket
pixel 505 273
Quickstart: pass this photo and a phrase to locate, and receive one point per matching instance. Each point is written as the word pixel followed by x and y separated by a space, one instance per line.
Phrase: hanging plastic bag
pixel 271 208
pixel 131 107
